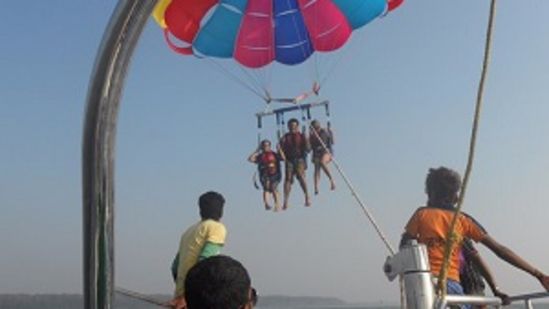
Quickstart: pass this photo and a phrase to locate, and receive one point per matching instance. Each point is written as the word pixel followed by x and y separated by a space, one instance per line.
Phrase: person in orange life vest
pixel 430 226
pixel 321 143
pixel 294 147
pixel 268 165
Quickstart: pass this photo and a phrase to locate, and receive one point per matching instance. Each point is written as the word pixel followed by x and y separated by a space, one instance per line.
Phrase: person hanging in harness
pixel 294 147
pixel 268 166
pixel 321 143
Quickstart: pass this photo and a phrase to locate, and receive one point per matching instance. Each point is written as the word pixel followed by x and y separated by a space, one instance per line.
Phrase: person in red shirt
pixel 294 147
pixel 430 225
pixel 268 165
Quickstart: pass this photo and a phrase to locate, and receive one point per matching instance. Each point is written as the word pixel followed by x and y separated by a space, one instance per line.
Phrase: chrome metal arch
pixel 98 148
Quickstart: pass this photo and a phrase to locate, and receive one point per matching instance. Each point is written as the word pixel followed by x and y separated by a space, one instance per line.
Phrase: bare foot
pixel 285 206
pixel 307 202
pixel 277 208
pixel 332 186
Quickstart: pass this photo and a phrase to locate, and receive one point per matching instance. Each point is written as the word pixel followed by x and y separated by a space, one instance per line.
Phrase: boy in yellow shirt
pixel 200 241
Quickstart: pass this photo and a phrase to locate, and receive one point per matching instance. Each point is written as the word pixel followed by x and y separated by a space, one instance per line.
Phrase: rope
pixel 354 193
pixel 370 217
pixel 142 297
pixel 451 237
pixel 330 68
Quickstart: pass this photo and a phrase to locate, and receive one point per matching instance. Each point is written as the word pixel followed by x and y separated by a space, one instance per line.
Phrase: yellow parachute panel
pixel 158 12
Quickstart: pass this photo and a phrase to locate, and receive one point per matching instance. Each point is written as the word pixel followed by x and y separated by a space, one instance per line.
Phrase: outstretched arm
pixel 487 274
pixel 512 258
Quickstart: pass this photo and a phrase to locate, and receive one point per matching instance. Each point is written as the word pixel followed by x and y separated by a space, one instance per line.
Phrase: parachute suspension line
pixel 354 193
pixel 332 66
pixel 260 75
pixel 235 78
pixel 259 129
pixel 304 122
pixel 278 127
pixel 472 144
pixel 254 79
pixel 316 70
pixel 328 121
pixel 263 78
pixel 282 123
pixel 142 297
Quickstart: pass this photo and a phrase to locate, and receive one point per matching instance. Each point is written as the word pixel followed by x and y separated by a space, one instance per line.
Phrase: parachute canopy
pixel 257 32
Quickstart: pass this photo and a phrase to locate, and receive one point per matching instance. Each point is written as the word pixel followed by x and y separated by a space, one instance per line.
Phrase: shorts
pixel 295 166
pixel 318 155
pixel 270 182
pixel 455 288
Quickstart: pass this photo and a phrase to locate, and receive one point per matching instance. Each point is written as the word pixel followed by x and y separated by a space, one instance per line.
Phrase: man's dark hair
pixel 442 185
pixel 293 120
pixel 211 205
pixel 217 282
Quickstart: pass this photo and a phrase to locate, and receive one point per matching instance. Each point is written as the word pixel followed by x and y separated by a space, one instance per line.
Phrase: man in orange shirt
pixel 430 226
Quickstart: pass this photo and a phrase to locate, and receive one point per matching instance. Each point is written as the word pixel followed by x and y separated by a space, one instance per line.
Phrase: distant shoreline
pixel 73 300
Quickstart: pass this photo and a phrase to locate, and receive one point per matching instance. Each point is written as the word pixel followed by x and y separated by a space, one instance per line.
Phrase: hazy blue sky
pixel 402 101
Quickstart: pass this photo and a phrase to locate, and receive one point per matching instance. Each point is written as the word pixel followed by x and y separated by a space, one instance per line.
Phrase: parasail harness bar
pixel 306 116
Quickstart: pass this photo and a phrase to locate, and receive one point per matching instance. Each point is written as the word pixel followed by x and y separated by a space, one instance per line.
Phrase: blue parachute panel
pixel 217 37
pixel 238 4
pixel 292 42
pixel 361 12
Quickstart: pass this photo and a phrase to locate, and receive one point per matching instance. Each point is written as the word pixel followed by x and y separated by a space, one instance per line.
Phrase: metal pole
pixel 98 145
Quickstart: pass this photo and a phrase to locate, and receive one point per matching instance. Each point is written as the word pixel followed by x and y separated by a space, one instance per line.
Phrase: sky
pixel 402 100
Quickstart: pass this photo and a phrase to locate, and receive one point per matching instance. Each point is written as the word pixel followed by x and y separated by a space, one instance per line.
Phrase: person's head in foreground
pixel 442 187
pixel 211 205
pixel 219 282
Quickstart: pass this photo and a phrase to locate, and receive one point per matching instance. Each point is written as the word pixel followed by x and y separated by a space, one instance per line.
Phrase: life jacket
pixel 268 163
pixel 294 145
pixel 326 138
